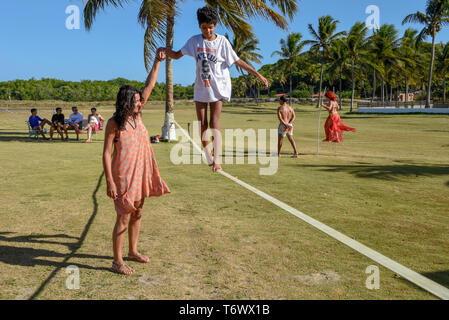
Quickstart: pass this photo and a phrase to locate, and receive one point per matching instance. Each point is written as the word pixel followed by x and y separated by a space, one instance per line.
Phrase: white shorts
pixel 282 132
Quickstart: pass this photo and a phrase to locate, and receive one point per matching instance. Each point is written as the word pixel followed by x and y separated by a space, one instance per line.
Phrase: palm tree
pixel 356 42
pixel 408 52
pixel 435 17
pixel 442 64
pixel 290 52
pixel 383 47
pixel 322 40
pixel 339 63
pixel 157 17
pixel 246 50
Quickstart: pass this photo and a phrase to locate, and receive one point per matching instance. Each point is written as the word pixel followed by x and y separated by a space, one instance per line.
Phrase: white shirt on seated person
pixel 76 118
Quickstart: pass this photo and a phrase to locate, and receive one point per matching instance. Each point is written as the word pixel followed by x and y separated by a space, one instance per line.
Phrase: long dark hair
pixel 124 106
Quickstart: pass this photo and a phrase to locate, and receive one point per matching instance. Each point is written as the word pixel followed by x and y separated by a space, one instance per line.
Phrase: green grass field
pixel 387 187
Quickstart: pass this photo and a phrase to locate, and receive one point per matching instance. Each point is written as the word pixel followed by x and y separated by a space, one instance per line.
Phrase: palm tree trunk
pixel 353 86
pixel 444 89
pixel 290 94
pixel 168 131
pixel 406 89
pixel 321 84
pixel 383 90
pixel 339 94
pixel 374 86
pixel 429 82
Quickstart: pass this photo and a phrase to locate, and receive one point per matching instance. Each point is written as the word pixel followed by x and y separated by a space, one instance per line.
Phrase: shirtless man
pixel 286 116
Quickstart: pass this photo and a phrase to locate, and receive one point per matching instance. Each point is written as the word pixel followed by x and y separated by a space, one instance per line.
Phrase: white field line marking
pixel 412 276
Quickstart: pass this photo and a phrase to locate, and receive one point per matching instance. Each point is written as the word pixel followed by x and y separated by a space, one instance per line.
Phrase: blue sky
pixel 36 43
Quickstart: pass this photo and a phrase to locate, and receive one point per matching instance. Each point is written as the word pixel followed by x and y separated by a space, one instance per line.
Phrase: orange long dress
pixel 134 168
pixel 334 128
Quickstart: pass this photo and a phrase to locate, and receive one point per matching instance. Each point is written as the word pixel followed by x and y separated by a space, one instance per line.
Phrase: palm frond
pixel 93 6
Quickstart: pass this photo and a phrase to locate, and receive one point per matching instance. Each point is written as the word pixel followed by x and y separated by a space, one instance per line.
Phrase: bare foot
pixel 216 167
pixel 121 268
pixel 87 141
pixel 295 155
pixel 138 257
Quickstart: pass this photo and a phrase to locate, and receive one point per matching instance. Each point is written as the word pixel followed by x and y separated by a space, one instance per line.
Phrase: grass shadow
pixel 38 239
pixel 441 277
pixel 77 245
pixel 385 172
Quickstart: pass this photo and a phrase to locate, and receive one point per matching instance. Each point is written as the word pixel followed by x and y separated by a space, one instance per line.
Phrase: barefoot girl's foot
pixel 87 141
pixel 138 258
pixel 121 268
pixel 216 167
pixel 296 155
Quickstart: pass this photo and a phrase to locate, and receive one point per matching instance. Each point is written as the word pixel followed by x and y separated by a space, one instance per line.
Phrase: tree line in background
pixel 86 90
pixel 357 63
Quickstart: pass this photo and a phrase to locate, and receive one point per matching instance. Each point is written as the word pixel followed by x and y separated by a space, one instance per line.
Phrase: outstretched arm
pixel 173 54
pixel 328 108
pixel 242 64
pixel 152 77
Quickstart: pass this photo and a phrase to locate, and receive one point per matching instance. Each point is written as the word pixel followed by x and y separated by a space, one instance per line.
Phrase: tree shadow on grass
pixel 384 172
pixel 441 277
pixel 17 136
pixel 76 246
pixel 39 239
pixel 21 136
pixel 28 257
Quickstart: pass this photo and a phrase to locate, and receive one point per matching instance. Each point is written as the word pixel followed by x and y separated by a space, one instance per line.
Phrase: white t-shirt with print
pixel 213 60
pixel 75 118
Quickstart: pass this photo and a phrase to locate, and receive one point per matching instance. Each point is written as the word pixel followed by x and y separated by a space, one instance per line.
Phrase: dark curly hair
pixel 207 15
pixel 124 106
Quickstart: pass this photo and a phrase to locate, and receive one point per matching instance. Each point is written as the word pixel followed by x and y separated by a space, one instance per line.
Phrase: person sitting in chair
pixel 36 123
pixel 75 122
pixel 57 122
pixel 94 122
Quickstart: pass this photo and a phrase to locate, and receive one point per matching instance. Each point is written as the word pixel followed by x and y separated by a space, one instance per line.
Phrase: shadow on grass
pixel 76 246
pixel 17 136
pixel 385 172
pixel 38 239
pixel 23 137
pixel 441 277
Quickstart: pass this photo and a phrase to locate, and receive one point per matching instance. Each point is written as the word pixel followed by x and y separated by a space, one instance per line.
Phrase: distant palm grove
pixel 358 64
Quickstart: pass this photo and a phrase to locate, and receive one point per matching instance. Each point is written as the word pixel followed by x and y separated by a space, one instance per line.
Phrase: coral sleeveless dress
pixel 134 168
pixel 334 128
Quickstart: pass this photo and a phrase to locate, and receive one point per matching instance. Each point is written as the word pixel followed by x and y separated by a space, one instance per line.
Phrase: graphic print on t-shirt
pixel 206 56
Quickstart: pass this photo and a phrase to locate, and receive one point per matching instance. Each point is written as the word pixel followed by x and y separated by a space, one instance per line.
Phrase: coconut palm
pixel 322 40
pixel 338 65
pixel 290 52
pixel 157 17
pixel 383 47
pixel 409 54
pixel 246 50
pixel 442 64
pixel 435 17
pixel 356 42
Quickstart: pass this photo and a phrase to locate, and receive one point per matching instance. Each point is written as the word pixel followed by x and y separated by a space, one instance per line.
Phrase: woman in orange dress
pixel 132 175
pixel 334 126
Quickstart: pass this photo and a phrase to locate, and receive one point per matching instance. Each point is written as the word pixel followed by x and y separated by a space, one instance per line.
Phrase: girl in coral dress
pixel 132 174
pixel 334 126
